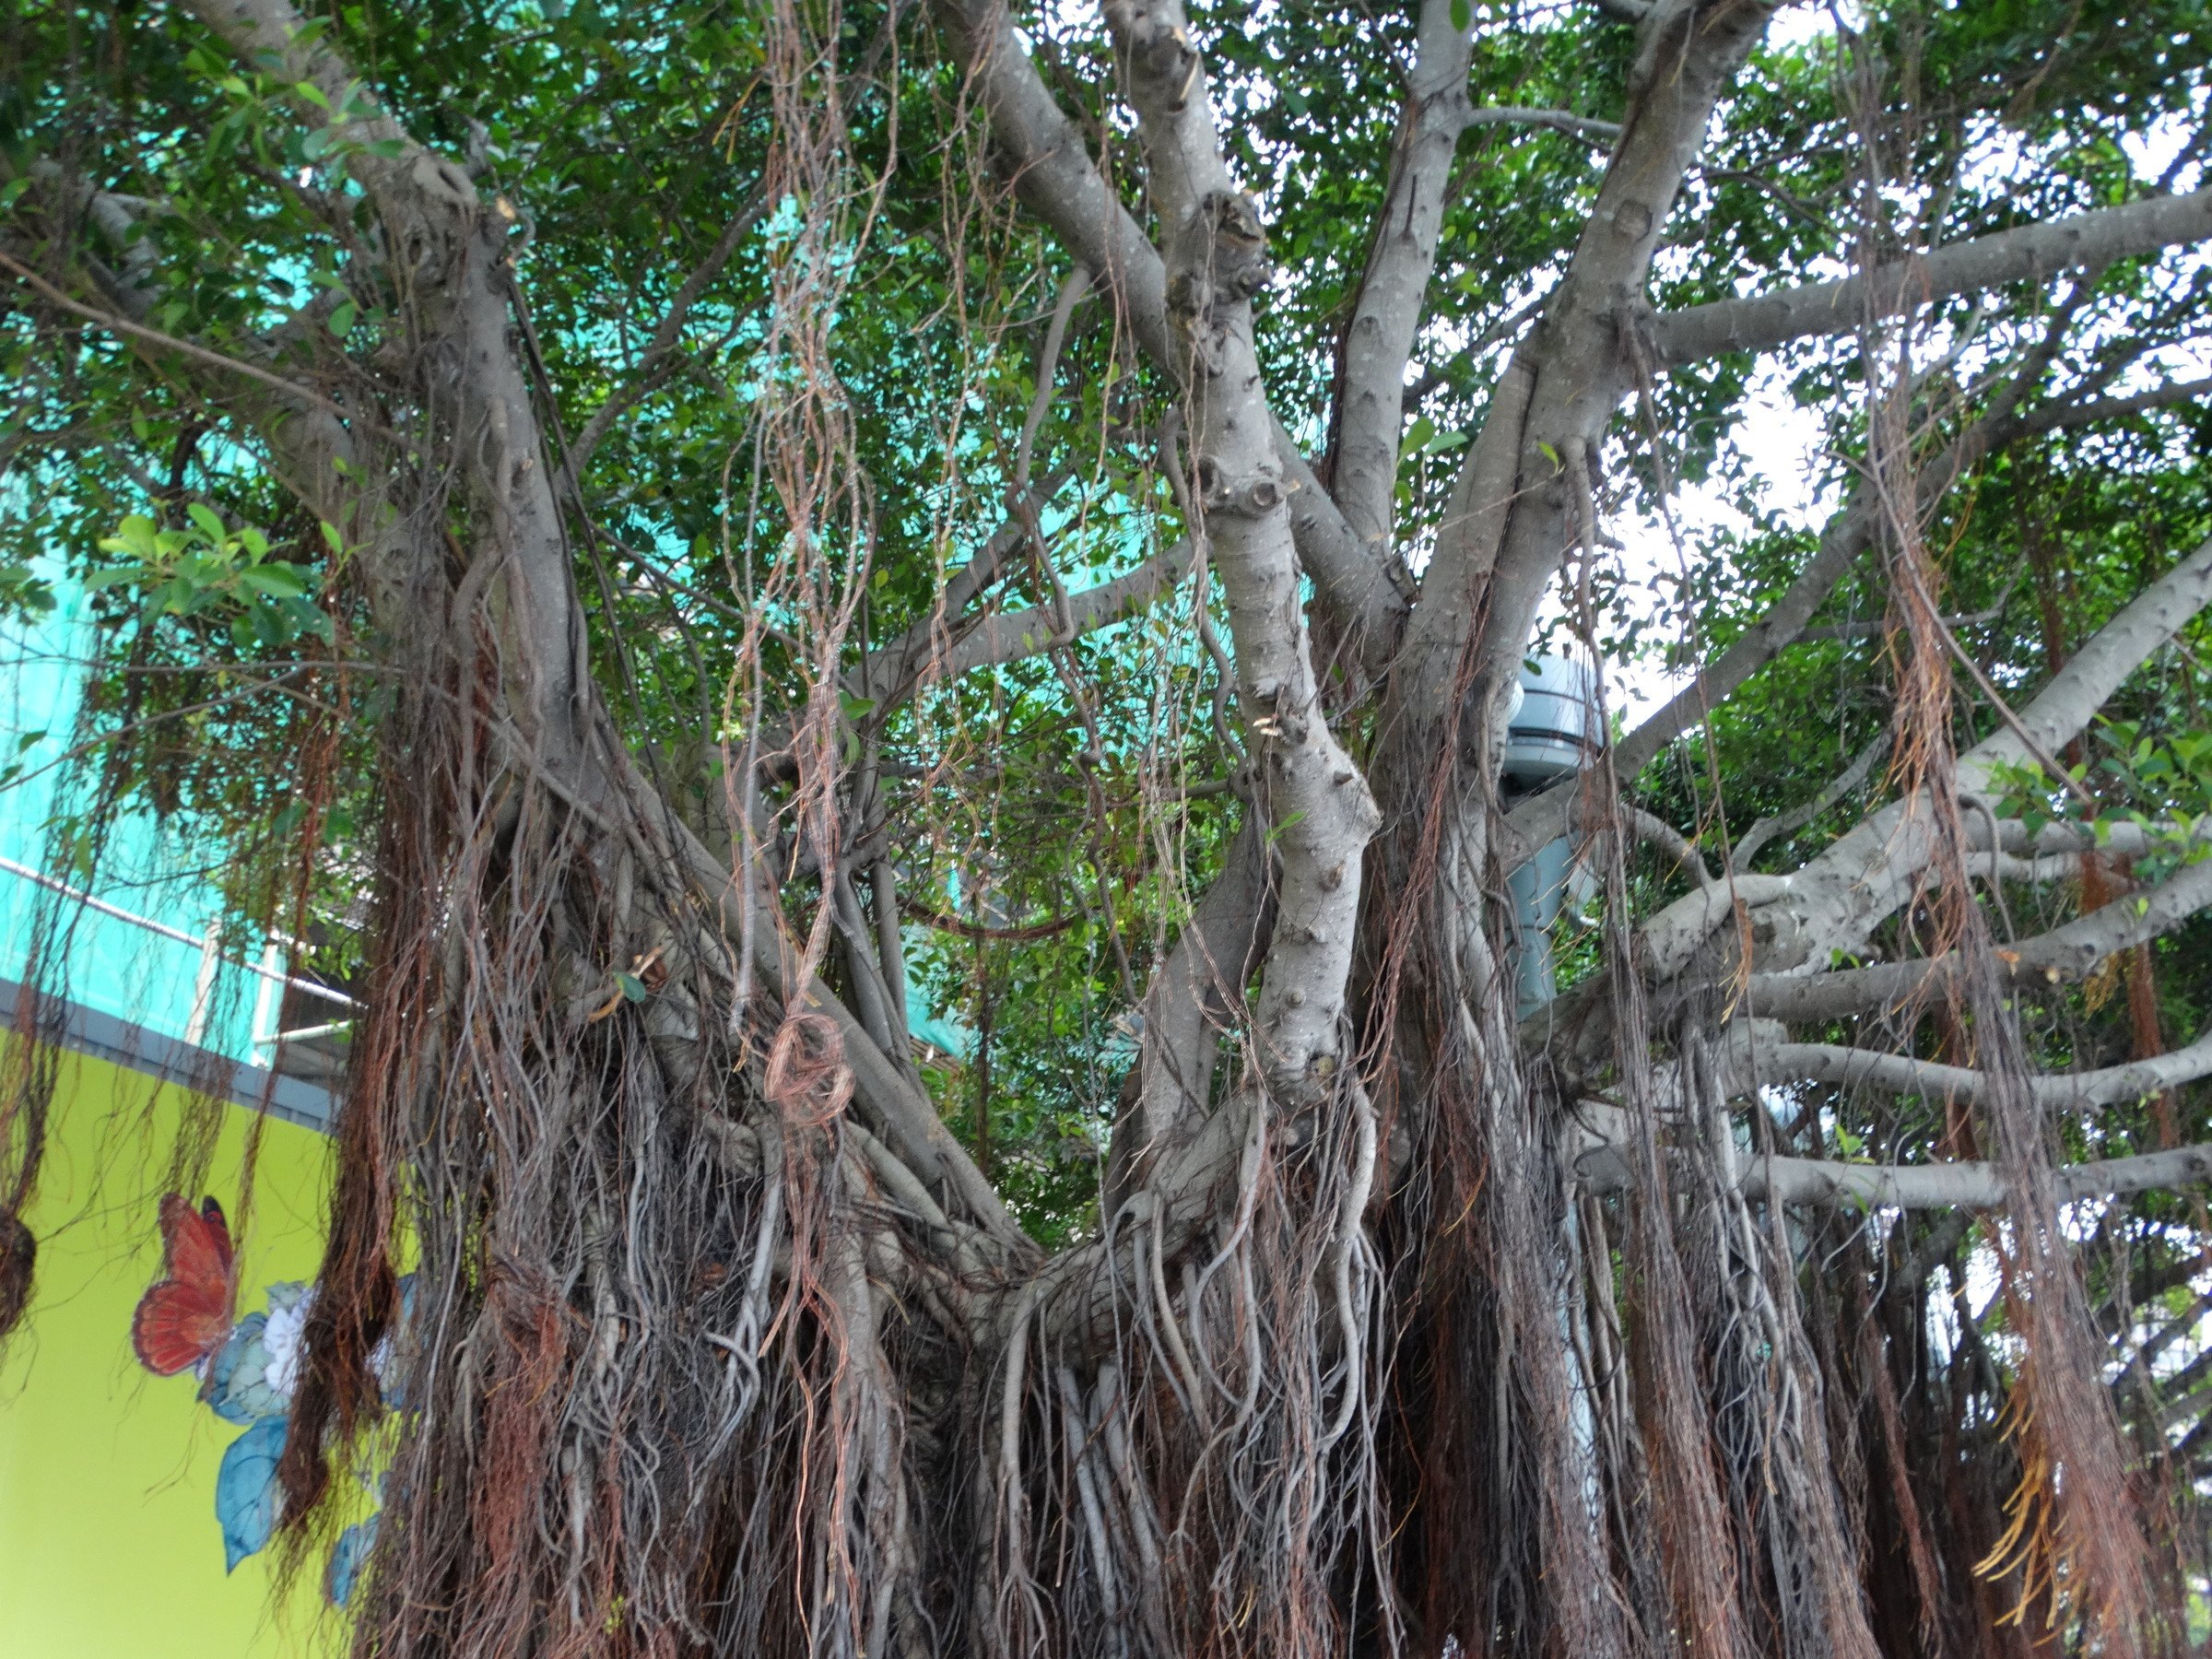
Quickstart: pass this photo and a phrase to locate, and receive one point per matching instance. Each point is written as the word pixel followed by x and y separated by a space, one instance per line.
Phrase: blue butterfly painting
pixel 248 1370
pixel 246 1498
pixel 346 1561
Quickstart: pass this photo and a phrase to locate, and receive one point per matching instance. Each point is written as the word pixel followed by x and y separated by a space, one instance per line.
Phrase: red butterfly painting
pixel 185 1318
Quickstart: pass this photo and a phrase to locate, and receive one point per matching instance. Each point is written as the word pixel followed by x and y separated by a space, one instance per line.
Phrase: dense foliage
pixel 797 358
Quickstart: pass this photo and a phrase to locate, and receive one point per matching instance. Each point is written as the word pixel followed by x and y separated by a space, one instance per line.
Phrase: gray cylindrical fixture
pixel 1551 734
pixel 1537 887
pixel 1553 731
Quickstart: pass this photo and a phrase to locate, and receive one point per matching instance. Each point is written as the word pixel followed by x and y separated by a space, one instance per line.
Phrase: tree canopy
pixel 885 640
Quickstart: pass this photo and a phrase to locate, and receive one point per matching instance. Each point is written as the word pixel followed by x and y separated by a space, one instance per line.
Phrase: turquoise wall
pixel 147 867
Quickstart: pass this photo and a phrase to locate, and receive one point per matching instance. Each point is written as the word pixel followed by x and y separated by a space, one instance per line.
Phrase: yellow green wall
pixel 108 1546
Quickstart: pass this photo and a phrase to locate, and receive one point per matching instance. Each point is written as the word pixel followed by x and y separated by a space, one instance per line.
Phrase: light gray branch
pixel 1656 831
pixel 1842 539
pixel 1009 637
pixel 1871 627
pixel 1395 286
pixel 1512 518
pixel 1196 995
pixel 2054 415
pixel 2089 678
pixel 880 1088
pixel 2085 241
pixel 1564 121
pixel 1543 816
pixel 1604 1166
pixel 1789 823
pixel 1840 896
pixel 463 300
pixel 1835 899
pixel 659 358
pixel 1902 1073
pixel 1055 180
pixel 1972 1185
pixel 888 672
pixel 1316 801
pixel 2066 953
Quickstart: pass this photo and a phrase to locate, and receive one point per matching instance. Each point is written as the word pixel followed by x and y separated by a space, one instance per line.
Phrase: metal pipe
pixel 167 931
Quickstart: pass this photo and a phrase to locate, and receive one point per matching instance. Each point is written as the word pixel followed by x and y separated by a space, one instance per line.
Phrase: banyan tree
pixel 894 646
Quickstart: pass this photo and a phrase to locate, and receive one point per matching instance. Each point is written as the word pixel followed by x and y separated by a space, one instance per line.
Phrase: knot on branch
pixel 1219 255
pixel 1159 51
pixel 1253 496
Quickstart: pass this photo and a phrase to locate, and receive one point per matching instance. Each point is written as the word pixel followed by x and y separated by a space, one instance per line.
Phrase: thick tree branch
pixel 1563 121
pixel 1392 292
pixel 1842 540
pixel 1056 180
pixel 1975 1185
pixel 2066 953
pixel 1841 894
pixel 449 251
pixel 1604 1166
pixel 1319 812
pixel 1008 637
pixel 1510 522
pixel 462 298
pixel 2099 669
pixel 2085 242
pixel 909 1117
pixel 1836 900
pixel 1196 995
pixel 1902 1073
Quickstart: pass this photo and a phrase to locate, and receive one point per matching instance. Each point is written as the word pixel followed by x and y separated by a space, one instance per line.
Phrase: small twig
pixel 977 930
pixel 1789 823
pixel 124 325
pixel 1048 364
pixel 1562 121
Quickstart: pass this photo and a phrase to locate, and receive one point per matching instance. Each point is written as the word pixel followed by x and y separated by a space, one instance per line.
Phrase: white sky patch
pixel 1800 25
pixel 1786 447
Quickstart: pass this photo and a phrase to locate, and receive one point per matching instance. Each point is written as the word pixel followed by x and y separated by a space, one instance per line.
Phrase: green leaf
pixel 632 987
pixel 136 534
pixel 210 526
pixel 342 318
pixel 1463 14
pixel 277 581
pixel 114 576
